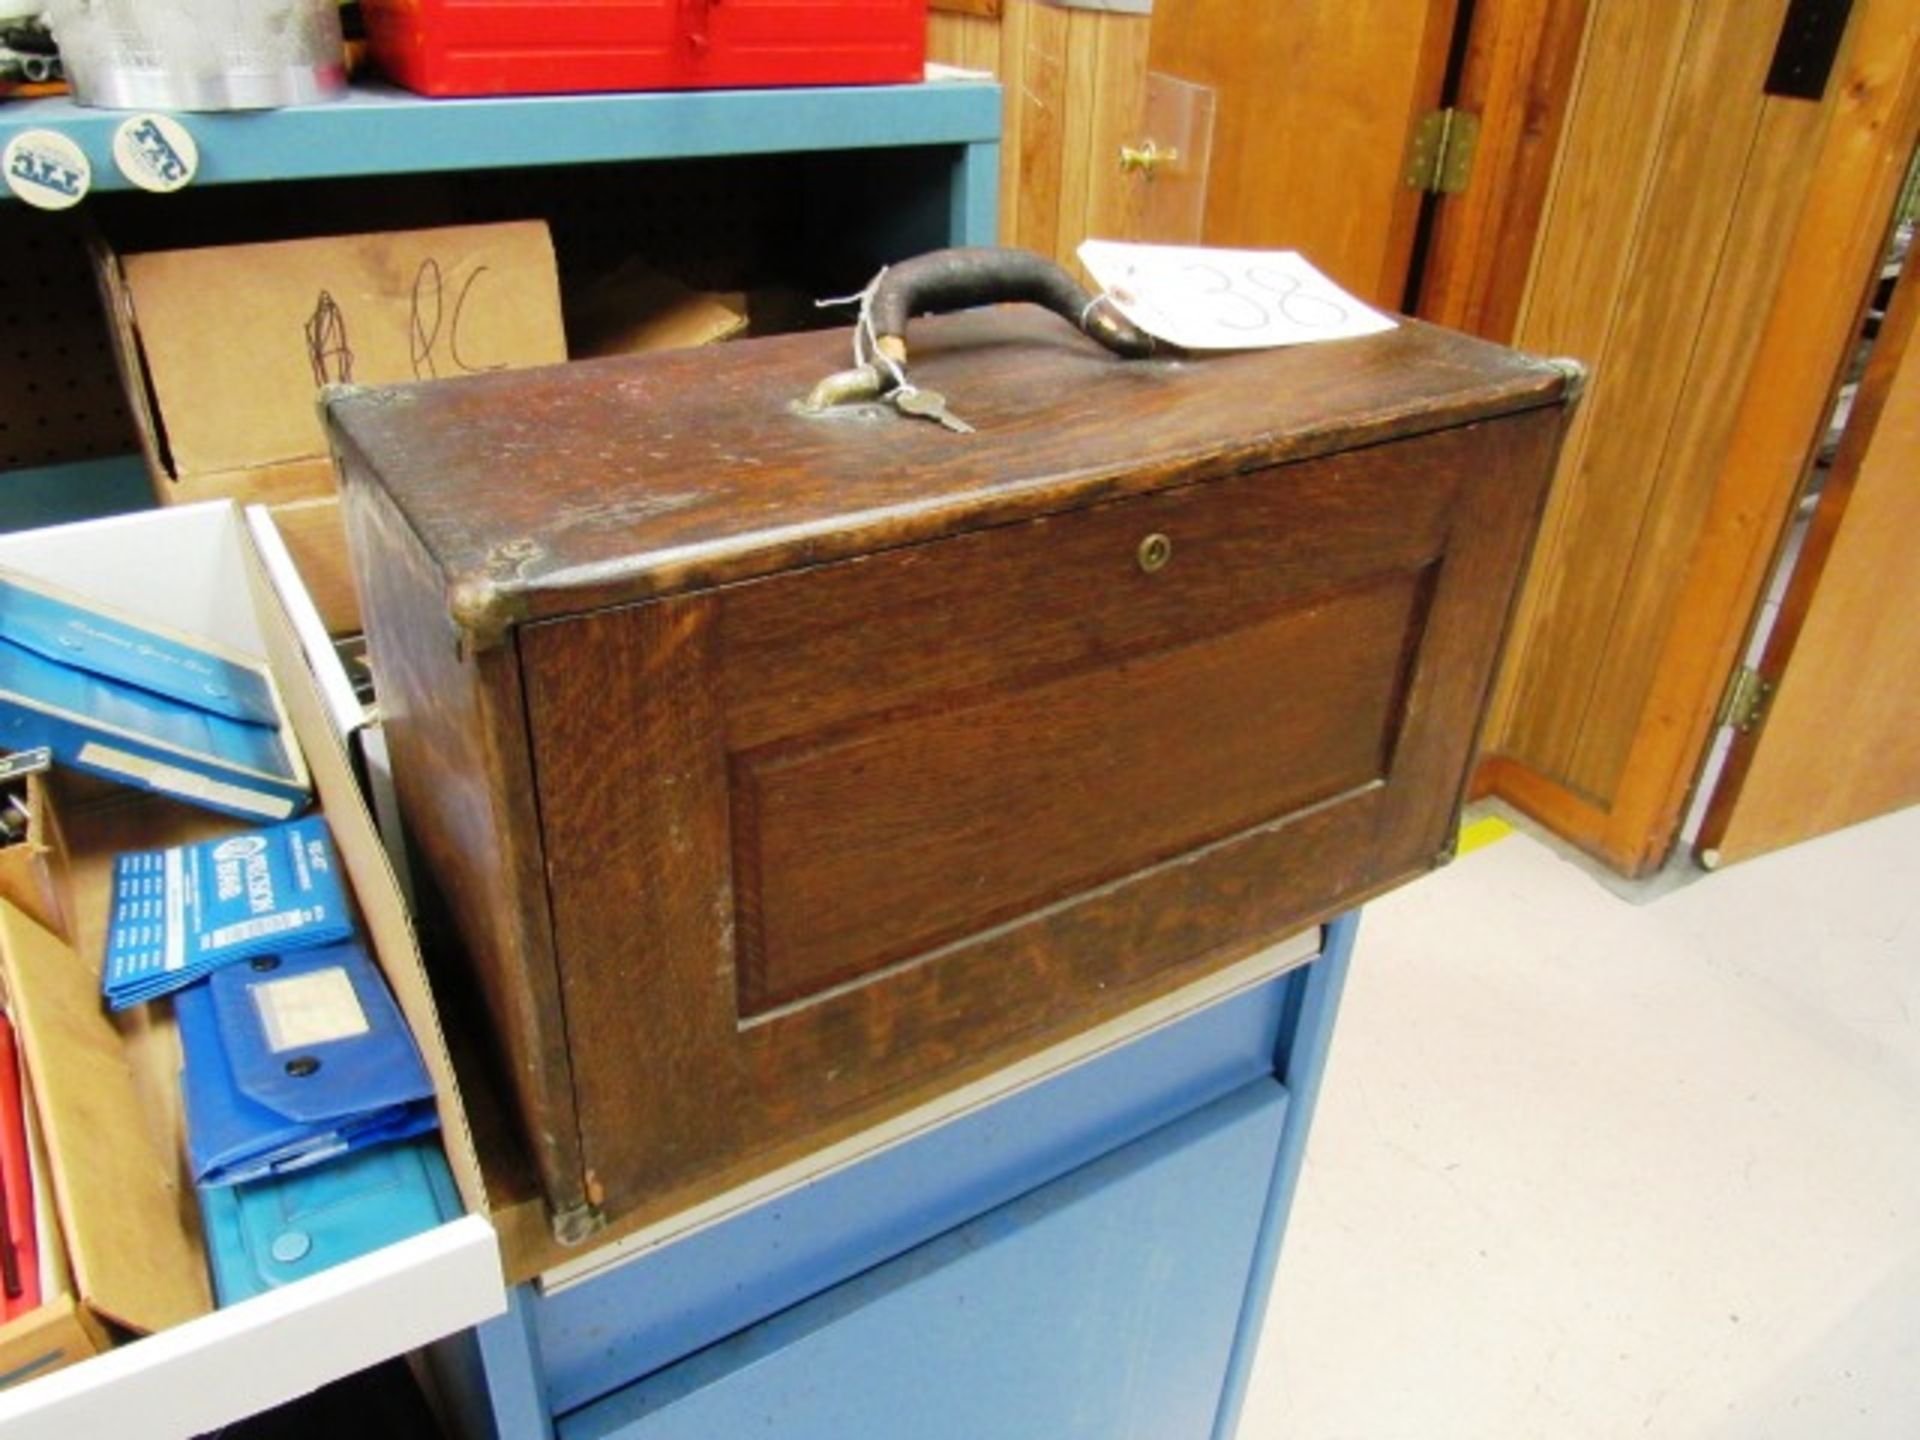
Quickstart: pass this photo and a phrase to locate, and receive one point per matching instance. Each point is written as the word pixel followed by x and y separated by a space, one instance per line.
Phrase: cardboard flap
pixel 638 308
pixel 384 917
pixel 146 1275
pixel 33 870
pixel 237 339
pixel 56 1334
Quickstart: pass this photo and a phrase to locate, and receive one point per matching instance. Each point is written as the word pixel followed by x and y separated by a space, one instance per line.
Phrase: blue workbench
pixel 1088 1258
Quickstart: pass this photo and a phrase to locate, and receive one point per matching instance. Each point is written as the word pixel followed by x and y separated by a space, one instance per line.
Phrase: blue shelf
pixel 947 197
pixel 79 490
pixel 377 130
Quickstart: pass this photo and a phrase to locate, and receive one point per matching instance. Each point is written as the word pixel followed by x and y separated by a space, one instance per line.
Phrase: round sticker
pixel 46 169
pixel 156 153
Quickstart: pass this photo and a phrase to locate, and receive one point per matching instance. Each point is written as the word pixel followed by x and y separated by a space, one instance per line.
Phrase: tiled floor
pixel 1594 1165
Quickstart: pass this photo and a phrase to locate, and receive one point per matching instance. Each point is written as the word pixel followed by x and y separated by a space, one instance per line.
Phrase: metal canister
pixel 200 54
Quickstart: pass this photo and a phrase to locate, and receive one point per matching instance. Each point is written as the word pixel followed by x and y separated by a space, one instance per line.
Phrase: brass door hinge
pixel 1744 706
pixel 1441 160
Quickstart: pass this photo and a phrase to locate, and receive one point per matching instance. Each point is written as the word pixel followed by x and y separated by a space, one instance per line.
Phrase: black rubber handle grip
pixel 958 279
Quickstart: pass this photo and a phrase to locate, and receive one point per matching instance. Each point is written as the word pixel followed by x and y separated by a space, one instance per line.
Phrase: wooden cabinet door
pixel 1838 743
pixel 1316 104
pixel 1706 252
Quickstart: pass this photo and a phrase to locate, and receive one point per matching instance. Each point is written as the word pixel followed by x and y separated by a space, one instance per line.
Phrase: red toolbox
pixel 486 47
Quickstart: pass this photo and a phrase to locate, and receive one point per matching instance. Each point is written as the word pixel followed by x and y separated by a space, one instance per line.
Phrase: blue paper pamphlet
pixel 182 912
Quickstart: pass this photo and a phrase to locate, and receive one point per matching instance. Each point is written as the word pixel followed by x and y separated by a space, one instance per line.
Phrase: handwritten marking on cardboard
pixel 294 314
pixel 328 350
pixel 427 316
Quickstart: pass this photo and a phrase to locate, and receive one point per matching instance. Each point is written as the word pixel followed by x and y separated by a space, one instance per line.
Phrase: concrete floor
pixel 1593 1163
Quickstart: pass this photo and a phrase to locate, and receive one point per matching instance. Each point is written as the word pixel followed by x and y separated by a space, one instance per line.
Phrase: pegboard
pixel 737 223
pixel 60 398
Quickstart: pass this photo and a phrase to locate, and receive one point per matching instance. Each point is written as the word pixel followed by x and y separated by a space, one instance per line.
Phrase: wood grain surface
pixel 1317 101
pixel 1715 438
pixel 819 763
pixel 1522 56
pixel 1839 744
pixel 461 768
pixel 883 842
pixel 1648 379
pixel 558 491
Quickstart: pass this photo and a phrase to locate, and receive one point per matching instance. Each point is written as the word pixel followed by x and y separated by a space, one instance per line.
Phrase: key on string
pixel 929 405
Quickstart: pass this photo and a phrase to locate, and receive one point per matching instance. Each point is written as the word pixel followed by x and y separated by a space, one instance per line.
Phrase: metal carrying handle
pixel 960 278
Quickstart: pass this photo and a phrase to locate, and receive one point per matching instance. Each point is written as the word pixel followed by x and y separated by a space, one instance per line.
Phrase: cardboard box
pixel 223 349
pixel 33 869
pixel 107 1088
pixel 637 308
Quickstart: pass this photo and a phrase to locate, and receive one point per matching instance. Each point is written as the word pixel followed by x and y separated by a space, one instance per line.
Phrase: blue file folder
pixel 273 1231
pixel 292 1059
pixel 78 633
pixel 144 739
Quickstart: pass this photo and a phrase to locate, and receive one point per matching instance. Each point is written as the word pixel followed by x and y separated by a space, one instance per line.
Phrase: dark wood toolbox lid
pixel 550 492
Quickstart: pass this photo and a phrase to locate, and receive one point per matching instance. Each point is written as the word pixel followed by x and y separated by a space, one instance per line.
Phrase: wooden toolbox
pixel 779 771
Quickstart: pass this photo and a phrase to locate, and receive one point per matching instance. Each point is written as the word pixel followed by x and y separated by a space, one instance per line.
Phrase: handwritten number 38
pixel 1289 301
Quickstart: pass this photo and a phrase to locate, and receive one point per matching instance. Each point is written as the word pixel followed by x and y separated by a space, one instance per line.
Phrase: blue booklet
pixel 182 912
pixel 84 635
pixel 273 1231
pixel 290 1060
pixel 142 738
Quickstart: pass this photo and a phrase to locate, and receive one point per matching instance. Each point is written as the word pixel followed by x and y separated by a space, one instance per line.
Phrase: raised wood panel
pixel 645 913
pixel 1840 743
pixel 994 807
pixel 1317 105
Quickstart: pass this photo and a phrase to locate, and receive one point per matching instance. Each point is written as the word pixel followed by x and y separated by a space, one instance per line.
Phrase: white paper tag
pixel 311 1009
pixel 1206 299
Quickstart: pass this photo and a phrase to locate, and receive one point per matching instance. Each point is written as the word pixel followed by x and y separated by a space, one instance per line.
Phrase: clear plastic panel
pixel 1171 165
